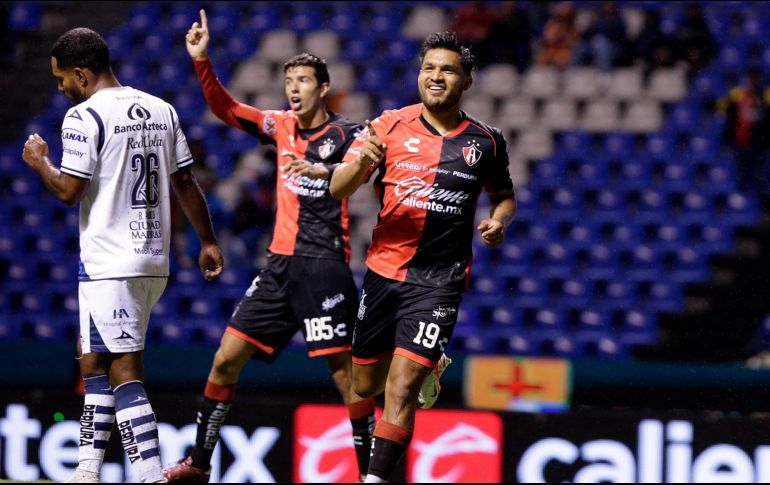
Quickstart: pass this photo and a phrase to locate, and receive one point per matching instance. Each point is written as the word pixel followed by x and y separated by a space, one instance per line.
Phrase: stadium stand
pixel 625 193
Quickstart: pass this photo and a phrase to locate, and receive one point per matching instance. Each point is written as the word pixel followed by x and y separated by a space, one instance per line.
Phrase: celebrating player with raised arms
pixel 307 284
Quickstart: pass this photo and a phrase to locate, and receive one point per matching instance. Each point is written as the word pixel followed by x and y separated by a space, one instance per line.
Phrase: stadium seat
pixel 278 45
pixel 498 81
pixel 581 82
pixel 667 84
pixel 616 294
pixel 517 114
pixel 601 115
pixel 626 84
pixel 424 20
pixel 559 114
pixel 322 43
pixel 642 263
pixel 540 82
pixel 643 116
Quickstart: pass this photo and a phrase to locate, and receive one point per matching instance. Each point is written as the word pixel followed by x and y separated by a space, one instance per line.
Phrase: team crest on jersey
pixel 326 148
pixel 268 126
pixel 472 153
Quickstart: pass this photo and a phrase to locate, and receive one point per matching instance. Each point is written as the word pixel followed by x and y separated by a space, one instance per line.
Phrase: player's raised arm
pixel 361 156
pixel 197 38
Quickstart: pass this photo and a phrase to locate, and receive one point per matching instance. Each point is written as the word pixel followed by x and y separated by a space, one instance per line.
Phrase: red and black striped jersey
pixel 428 186
pixel 308 220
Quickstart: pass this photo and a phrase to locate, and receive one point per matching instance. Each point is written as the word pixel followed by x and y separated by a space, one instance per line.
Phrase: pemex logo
pixel 469 450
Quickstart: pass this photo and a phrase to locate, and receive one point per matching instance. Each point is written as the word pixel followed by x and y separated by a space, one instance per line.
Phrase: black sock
pixel 362 440
pixel 211 416
pixel 384 457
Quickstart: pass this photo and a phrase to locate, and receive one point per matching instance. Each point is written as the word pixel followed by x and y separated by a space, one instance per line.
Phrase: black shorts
pixel 316 296
pixel 404 319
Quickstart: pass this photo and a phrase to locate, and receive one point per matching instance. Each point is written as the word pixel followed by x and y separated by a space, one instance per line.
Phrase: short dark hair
pixel 82 47
pixel 449 41
pixel 305 59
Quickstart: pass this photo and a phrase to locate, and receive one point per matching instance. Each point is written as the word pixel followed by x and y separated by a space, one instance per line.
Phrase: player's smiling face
pixel 442 79
pixel 303 92
pixel 67 82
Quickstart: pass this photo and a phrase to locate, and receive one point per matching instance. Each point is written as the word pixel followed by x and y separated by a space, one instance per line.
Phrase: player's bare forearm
pixel 193 204
pixel 66 188
pixel 503 207
pixel 347 178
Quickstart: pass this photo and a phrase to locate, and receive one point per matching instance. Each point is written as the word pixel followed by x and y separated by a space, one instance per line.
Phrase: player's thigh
pixel 426 321
pixel 376 322
pixel 114 313
pixel 264 318
pixel 324 300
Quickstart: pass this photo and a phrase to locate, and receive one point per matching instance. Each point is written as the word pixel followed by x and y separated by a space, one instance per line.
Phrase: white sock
pixel 373 479
pixel 96 422
pixel 138 431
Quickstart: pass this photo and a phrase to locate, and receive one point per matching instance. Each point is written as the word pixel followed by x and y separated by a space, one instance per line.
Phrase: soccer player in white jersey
pixel 122 149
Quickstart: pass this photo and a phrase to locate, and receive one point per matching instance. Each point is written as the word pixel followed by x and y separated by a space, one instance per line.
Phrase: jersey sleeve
pixel 381 126
pixel 497 176
pixel 182 154
pixel 254 121
pixel 80 144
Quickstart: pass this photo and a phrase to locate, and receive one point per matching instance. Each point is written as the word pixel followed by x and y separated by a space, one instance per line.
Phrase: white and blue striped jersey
pixel 127 143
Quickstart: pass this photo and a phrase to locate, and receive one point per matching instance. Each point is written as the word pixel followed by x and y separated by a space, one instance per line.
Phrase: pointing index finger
pixel 204 20
pixel 370 127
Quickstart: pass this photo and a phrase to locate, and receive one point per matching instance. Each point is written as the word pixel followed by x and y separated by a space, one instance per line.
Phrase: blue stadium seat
pixel 608 206
pixel 555 260
pixel 696 208
pixel 583 235
pixel 224 20
pixel 468 340
pixel 144 17
pixel 24 16
pixel 346 22
pixel 592 173
pixel 619 145
pixel 385 22
pixel 265 18
pixel 402 51
pixel 605 347
pixel 507 316
pixel 677 177
pixel 305 19
pixel 662 296
pixel 689 265
pixel 713 238
pixel 631 174
pixel 515 259
pixel 375 78
pixel 528 204
pixel 602 262
pixel 668 237
pixel 638 327
pixel 625 236
pixel 550 319
pixel 530 292
pixel 643 263
pixel 651 206
pixel 593 320
pixel 575 293
pixel 616 294
pixel 574 144
pixel 738 210
pixel 566 204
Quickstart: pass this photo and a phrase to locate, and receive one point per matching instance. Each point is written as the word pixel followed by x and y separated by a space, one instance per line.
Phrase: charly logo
pixel 326 148
pixel 137 112
pixel 442 312
pixel 331 302
pixel 472 153
pixel 463 438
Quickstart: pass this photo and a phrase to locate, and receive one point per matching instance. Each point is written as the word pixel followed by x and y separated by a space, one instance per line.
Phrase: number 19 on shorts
pixel 427 336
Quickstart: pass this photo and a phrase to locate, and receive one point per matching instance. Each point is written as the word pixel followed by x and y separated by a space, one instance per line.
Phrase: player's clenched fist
pixel 197 38
pixel 492 232
pixel 373 149
pixel 35 149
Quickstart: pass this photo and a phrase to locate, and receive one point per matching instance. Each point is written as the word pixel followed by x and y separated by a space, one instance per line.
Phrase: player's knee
pixel 225 366
pixel 364 386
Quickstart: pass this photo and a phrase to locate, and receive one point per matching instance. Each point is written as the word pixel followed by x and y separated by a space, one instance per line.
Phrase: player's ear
pixel 80 76
pixel 468 82
pixel 324 89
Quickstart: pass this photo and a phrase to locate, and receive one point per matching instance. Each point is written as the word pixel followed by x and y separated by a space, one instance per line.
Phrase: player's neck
pixel 444 121
pixel 315 120
pixel 105 81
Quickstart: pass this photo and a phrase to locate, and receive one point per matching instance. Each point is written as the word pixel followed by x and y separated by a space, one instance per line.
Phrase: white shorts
pixel 114 313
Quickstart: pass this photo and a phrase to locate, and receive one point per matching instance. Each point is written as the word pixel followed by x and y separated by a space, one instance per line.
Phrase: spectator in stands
pixel 560 36
pixel 652 46
pixel 604 41
pixel 695 45
pixel 473 22
pixel 512 35
pixel 747 131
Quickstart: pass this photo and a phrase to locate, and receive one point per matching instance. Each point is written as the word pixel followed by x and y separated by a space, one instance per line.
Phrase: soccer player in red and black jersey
pixel 307 284
pixel 430 162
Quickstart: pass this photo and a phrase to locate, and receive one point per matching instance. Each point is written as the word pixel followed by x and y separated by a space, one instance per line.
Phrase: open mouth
pixel 295 103
pixel 437 90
